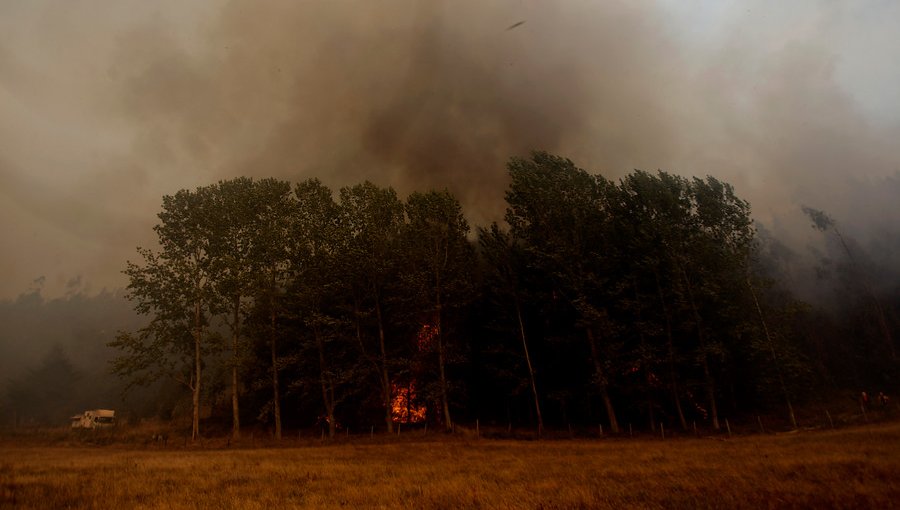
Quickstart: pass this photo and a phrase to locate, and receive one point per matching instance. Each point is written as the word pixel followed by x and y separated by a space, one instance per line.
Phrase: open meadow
pixel 848 468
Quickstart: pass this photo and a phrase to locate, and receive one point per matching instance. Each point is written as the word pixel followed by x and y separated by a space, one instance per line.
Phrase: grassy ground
pixel 849 468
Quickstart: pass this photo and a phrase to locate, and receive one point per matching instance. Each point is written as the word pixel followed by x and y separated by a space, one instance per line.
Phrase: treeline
pixel 649 300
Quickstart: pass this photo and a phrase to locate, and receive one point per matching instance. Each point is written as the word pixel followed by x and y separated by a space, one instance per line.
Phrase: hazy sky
pixel 105 106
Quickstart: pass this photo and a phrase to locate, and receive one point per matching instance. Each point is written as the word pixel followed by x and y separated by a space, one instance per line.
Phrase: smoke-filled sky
pixel 105 106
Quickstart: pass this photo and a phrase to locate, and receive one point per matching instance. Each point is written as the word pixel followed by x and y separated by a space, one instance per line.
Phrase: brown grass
pixel 850 468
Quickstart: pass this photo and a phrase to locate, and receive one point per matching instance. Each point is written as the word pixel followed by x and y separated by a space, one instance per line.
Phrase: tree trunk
pixel 670 345
pixel 537 403
pixel 784 390
pixel 445 404
pixel 276 404
pixel 701 340
pixel 380 366
pixel 235 411
pixel 326 383
pixel 607 402
pixel 332 423
pixel 195 397
pixel 602 382
pixel 648 373
pixel 385 379
pixel 711 394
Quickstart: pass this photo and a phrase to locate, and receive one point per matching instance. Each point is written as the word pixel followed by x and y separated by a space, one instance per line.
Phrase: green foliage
pixel 175 289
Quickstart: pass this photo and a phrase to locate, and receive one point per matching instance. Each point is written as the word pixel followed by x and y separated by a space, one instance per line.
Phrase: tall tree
pixel 651 212
pixel 235 205
pixel 559 211
pixel 721 248
pixel 371 223
pixel 271 254
pixel 440 259
pixel 315 279
pixel 505 260
pixel 174 287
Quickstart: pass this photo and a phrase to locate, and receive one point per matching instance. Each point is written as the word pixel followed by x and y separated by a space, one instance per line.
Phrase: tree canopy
pixel 636 301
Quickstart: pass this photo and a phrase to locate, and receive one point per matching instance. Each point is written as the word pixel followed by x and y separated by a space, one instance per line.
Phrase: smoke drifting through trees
pixel 644 298
pixel 647 298
pixel 106 110
pixel 418 95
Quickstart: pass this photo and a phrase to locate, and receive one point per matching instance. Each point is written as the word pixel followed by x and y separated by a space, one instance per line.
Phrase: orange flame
pixel 404 407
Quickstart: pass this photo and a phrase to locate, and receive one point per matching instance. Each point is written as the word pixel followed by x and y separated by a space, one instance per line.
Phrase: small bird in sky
pixel 514 25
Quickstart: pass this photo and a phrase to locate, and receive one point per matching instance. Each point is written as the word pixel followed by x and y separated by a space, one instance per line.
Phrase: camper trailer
pixel 94 419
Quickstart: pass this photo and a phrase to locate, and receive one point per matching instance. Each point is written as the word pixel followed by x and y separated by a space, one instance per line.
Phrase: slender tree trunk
pixel 445 404
pixel 439 256
pixel 711 394
pixel 276 401
pixel 235 410
pixel 784 391
pixel 380 366
pixel 670 345
pixel 332 422
pixel 607 402
pixel 325 381
pixel 385 378
pixel 438 288
pixel 602 382
pixel 704 359
pixel 534 393
pixel 198 333
pixel 648 374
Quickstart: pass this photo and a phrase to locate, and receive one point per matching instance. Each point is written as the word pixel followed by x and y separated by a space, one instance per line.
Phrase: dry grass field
pixel 849 468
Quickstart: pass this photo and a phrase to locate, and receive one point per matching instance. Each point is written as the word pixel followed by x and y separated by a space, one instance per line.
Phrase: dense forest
pixel 651 300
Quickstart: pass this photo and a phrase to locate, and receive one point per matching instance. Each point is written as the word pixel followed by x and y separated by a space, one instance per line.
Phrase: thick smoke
pixel 106 107
pixel 409 94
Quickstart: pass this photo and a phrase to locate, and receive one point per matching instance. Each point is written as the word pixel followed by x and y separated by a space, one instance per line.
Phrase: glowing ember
pixel 426 337
pixel 404 407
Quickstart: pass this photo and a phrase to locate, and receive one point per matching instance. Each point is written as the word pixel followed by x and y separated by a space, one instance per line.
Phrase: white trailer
pixel 94 419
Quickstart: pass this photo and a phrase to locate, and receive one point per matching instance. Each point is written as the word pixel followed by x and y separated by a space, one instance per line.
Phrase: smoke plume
pixel 106 107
